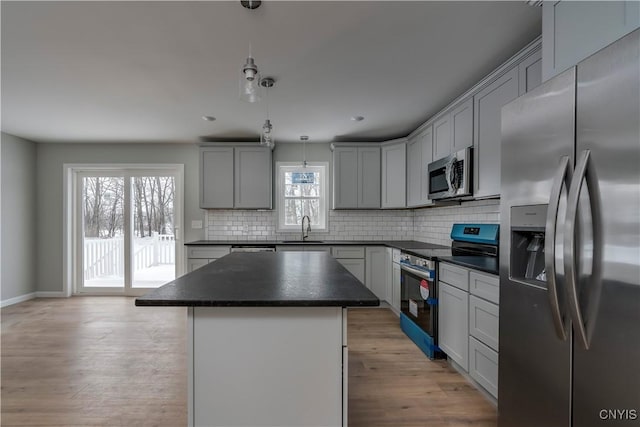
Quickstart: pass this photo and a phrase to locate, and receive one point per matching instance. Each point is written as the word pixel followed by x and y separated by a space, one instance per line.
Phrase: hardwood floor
pixel 101 361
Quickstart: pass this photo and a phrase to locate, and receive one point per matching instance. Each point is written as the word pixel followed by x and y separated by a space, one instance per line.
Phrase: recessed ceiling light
pixel 357 118
pixel 209 118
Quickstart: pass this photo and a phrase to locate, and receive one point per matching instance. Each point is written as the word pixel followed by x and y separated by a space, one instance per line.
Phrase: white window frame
pixel 281 167
pixel 71 257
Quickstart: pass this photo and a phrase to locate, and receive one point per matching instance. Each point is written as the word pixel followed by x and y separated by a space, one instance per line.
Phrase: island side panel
pixel 267 366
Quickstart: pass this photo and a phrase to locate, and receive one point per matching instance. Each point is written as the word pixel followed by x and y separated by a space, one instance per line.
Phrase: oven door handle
pixel 419 273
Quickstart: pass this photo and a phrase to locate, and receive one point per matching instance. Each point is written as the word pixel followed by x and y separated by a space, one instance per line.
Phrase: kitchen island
pixel 267 338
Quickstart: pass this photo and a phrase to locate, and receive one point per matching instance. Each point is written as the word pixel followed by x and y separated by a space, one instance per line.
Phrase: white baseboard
pixel 16 300
pixel 51 294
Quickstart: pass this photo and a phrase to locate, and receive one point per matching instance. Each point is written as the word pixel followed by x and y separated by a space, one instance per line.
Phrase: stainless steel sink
pixel 305 242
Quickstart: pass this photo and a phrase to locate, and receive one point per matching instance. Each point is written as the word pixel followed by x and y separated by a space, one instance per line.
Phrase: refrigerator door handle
pixel 562 177
pixel 584 171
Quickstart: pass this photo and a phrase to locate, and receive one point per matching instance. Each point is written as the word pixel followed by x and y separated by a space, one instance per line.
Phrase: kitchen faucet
pixel 306 235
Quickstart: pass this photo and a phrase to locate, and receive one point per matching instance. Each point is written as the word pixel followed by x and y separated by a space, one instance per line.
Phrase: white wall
pixel 18 191
pixel 50 161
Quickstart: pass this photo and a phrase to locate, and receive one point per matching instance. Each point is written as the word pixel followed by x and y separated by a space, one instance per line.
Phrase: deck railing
pixel 105 257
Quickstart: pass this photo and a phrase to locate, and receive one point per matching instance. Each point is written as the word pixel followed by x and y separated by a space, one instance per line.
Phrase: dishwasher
pixel 253 248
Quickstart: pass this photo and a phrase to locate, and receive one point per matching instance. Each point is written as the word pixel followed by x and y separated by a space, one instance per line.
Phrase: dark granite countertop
pixel 282 279
pixel 405 245
pixel 482 263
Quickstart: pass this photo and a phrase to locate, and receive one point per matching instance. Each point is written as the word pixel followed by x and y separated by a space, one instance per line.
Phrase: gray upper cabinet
pixel 345 177
pixel 442 137
pixel 235 177
pixel 453 130
pixel 369 177
pixel 419 155
pixel 427 157
pixel 394 179
pixel 488 104
pixel 462 125
pixel 414 171
pixel 253 178
pixel 574 30
pixel 356 177
pixel 530 73
pixel 216 177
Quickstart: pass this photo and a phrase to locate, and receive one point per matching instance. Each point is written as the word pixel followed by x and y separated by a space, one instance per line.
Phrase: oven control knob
pixel 424 263
pixel 406 258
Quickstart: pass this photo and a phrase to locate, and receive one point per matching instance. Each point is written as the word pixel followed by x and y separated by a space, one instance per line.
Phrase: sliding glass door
pixel 127 229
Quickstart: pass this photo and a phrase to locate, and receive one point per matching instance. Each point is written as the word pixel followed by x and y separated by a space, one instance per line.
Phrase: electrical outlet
pixel 245 228
pixel 196 224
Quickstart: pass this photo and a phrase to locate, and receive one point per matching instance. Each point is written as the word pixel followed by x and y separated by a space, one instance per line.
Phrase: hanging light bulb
pixel 249 78
pixel 266 136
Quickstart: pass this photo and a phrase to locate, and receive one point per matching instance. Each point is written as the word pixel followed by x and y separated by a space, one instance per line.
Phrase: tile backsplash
pixel 428 224
pixel 343 225
pixel 433 225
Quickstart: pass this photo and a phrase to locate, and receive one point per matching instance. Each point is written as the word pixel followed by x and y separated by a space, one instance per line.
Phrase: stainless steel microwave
pixel 451 177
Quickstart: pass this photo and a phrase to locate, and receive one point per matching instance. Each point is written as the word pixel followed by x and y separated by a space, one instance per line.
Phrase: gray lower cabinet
pixel 468 322
pixel 487 126
pixel 352 258
pixel 396 293
pixel 453 333
pixel 377 262
pixel 356 177
pixel 419 155
pixel 574 30
pixel 394 178
pixel 199 256
pixel 235 177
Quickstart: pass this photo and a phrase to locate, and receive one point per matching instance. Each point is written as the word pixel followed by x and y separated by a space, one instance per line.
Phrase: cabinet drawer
pixel 354 266
pixel 207 252
pixel 347 251
pixel 453 275
pixel 483 321
pixel 317 248
pixel 485 286
pixel 292 248
pixel 483 366
pixel 194 264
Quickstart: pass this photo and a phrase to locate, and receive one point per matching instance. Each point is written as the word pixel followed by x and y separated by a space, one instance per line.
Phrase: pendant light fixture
pixel 304 139
pixel 266 136
pixel 249 78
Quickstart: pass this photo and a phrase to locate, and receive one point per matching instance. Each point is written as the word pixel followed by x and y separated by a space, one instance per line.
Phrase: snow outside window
pixel 302 191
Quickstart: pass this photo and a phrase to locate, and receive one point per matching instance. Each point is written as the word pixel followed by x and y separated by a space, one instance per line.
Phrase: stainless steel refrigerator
pixel 570 247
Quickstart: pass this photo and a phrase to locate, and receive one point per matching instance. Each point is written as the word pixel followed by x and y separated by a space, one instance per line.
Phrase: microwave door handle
pixel 584 172
pixel 561 179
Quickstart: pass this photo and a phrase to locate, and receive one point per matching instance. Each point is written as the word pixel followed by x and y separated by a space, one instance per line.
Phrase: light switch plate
pixel 196 224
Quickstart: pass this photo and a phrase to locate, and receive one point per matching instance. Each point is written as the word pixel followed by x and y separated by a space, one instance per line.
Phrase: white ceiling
pixel 148 71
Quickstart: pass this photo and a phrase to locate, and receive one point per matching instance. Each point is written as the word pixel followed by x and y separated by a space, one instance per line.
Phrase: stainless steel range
pixel 473 245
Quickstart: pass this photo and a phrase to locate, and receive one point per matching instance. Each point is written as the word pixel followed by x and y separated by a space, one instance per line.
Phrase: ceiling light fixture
pixel 266 136
pixel 357 118
pixel 209 118
pixel 250 4
pixel 249 78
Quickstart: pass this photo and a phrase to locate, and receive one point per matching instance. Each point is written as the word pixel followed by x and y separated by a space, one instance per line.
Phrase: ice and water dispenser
pixel 527 243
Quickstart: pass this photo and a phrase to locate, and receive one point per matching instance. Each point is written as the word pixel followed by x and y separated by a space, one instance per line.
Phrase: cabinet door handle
pixel 562 176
